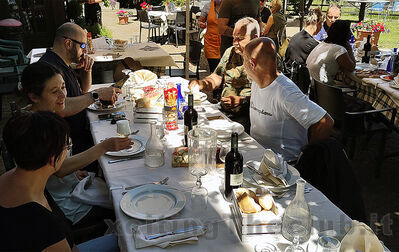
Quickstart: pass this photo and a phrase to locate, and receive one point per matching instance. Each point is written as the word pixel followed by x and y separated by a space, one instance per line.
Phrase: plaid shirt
pixel 235 79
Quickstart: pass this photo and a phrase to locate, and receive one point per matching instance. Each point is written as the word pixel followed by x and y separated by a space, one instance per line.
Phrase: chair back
pixel 331 99
pixel 143 16
pixel 195 9
pixel 158 8
pixel 180 18
pixel 299 74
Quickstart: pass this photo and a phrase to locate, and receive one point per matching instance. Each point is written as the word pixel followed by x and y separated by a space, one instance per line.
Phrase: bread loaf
pixel 266 201
pixel 240 191
pixel 248 204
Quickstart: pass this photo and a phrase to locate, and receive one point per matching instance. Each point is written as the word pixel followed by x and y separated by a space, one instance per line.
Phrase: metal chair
pixel 195 56
pixel 179 25
pixel 158 8
pixel 145 23
pixel 356 119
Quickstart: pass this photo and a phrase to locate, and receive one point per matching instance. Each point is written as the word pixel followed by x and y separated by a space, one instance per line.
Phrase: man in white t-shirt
pixel 280 113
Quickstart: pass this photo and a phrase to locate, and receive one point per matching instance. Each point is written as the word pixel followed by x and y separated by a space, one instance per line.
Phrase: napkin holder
pixel 263 222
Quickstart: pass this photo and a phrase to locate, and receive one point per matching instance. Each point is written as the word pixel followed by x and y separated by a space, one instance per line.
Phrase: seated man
pixel 280 113
pixel 231 75
pixel 69 42
pixel 333 14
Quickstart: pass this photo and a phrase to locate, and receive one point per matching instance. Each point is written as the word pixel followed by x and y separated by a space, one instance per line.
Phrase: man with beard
pixel 68 47
pixel 231 75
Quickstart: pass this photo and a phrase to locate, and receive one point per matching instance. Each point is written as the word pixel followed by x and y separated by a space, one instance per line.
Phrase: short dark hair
pixel 32 138
pixel 339 33
pixel 35 76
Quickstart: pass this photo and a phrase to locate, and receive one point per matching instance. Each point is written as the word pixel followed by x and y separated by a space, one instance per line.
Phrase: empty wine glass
pixel 297 221
pixel 201 160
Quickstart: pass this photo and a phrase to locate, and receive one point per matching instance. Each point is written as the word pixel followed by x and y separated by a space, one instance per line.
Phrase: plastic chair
pixel 354 122
pixel 195 56
pixel 158 8
pixel 145 23
pixel 179 25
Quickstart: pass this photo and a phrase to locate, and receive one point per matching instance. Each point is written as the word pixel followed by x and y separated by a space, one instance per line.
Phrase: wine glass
pixel 201 160
pixel 297 221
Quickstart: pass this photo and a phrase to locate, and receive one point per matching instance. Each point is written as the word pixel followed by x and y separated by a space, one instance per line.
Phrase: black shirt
pixel 79 123
pixel 299 48
pixel 30 227
pixel 265 14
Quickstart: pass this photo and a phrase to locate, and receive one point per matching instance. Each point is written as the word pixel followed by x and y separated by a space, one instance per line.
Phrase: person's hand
pixel 81 174
pixel 108 94
pixel 117 143
pixel 86 63
pixel 231 101
pixel 201 25
pixel 194 83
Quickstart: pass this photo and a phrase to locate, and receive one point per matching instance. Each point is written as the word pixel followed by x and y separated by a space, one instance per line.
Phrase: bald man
pixel 68 47
pixel 280 113
pixel 231 76
pixel 333 14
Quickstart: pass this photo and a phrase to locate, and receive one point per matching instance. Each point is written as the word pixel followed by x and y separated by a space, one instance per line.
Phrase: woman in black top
pixel 265 11
pixel 39 143
pixel 303 43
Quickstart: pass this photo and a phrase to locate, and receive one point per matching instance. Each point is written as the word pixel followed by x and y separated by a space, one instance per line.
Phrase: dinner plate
pixel 97 107
pixel 224 127
pixel 152 202
pixel 137 147
pixel 382 77
pixel 250 177
pixel 198 97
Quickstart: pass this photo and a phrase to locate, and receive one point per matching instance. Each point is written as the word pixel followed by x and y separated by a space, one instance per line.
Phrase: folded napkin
pixel 92 191
pixel 360 238
pixel 191 237
pixel 274 168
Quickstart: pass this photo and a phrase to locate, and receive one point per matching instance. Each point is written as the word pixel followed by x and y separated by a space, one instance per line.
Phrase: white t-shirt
pixel 280 116
pixel 322 62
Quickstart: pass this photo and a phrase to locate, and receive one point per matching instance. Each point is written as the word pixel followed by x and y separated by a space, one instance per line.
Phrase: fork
pixel 163 181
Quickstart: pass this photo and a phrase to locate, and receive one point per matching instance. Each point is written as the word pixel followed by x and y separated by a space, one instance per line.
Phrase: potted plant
pixel 145 6
pixel 123 16
pixel 363 29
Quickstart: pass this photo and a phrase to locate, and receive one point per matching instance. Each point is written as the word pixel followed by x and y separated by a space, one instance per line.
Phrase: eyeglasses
pixel 82 45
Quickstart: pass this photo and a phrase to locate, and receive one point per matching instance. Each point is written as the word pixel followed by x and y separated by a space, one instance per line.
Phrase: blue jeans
pixel 106 243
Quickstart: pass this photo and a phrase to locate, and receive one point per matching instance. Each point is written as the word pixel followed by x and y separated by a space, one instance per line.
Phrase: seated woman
pixel 333 55
pixel 303 43
pixel 39 144
pixel 44 88
pixel 275 25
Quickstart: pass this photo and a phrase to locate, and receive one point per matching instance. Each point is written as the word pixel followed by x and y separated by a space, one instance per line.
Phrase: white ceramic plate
pixel 198 97
pixel 393 85
pixel 291 177
pixel 224 127
pixel 152 202
pixel 137 147
pixel 382 77
pixel 96 107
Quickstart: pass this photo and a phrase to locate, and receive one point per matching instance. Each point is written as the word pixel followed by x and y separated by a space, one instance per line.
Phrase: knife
pixel 178 231
pixel 124 159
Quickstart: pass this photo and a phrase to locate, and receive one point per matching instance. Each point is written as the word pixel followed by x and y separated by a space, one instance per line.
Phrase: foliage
pixel 107 3
pixel 123 13
pixel 177 3
pixel 98 31
pixel 74 9
pixel 370 26
pixel 145 6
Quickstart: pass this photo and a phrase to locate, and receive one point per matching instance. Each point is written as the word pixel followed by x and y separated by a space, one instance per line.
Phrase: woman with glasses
pixel 44 89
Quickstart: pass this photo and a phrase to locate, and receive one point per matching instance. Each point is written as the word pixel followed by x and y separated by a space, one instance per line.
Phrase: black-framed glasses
pixel 82 45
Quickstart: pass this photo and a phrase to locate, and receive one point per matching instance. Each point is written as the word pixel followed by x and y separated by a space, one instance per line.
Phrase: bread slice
pixel 248 204
pixel 266 201
pixel 240 191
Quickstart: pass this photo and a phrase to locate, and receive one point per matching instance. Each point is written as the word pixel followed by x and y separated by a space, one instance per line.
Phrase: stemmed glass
pixel 297 221
pixel 201 160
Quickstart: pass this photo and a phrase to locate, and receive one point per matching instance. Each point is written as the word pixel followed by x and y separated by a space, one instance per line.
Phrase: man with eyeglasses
pixel 333 14
pixel 231 76
pixel 69 49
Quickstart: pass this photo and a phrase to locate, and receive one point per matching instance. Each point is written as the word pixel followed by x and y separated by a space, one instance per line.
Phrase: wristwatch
pixel 94 95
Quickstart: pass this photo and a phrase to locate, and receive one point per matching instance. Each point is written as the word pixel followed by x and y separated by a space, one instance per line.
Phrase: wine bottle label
pixel 236 179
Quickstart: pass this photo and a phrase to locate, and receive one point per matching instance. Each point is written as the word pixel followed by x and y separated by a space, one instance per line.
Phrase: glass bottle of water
pixel 297 221
pixel 154 149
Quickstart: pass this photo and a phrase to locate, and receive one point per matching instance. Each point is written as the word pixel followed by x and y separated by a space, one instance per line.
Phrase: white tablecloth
pixel 221 234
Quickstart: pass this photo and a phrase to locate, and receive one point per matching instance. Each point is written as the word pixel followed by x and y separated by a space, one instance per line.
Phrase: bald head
pixel 263 50
pixel 68 30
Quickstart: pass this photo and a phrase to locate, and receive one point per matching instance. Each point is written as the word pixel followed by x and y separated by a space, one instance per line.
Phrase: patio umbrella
pixel 188 18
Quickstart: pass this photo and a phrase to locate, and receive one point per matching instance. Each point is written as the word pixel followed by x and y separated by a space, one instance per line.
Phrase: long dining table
pixel 221 231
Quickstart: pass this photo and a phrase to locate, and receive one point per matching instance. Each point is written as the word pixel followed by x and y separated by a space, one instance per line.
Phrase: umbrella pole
pixel 188 18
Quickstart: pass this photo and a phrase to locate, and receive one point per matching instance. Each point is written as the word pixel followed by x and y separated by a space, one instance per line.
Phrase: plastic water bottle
pixel 391 62
pixel 353 46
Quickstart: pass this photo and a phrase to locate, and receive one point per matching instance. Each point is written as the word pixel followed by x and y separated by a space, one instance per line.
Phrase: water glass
pixel 123 128
pixel 328 244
